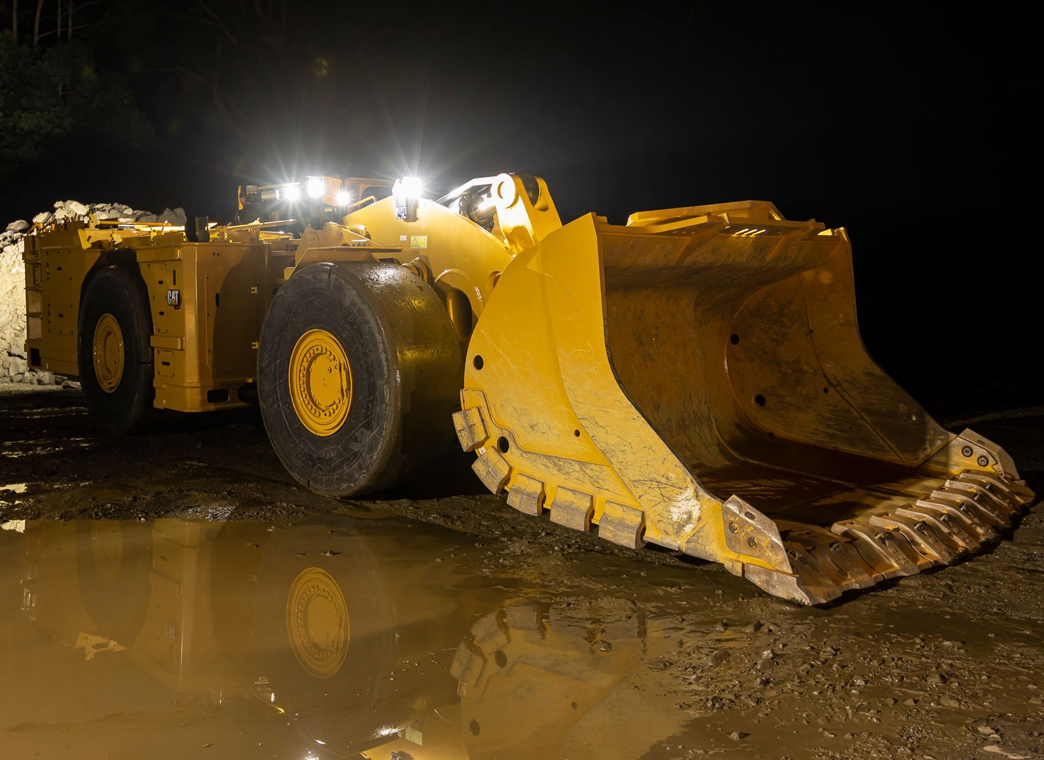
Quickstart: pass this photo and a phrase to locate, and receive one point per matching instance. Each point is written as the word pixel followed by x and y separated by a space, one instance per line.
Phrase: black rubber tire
pixel 120 292
pixel 407 372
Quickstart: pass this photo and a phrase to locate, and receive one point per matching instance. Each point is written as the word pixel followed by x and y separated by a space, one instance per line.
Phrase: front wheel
pixel 359 373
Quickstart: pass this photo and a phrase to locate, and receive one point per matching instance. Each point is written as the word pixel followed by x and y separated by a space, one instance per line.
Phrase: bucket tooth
pixel 993 509
pixel 971 506
pixel 467 665
pixel 920 560
pixel 471 428
pixel 622 525
pixel 526 494
pixel 490 634
pixel 881 549
pixel 572 509
pixel 812 564
pixel 971 532
pixel 969 515
pixel 526 617
pixel 804 587
pixel 939 529
pixel 849 561
pixel 492 469
pixel 949 520
pixel 919 533
pixel 1011 492
pixel 840 554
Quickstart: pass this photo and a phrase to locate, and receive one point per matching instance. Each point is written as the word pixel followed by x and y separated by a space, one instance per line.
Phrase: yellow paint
pixel 320 378
pixel 694 379
pixel 225 288
pixel 108 353
pixel 686 378
pixel 458 256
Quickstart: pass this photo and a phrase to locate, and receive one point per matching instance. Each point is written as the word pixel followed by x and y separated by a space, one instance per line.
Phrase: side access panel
pixel 208 301
pixel 54 275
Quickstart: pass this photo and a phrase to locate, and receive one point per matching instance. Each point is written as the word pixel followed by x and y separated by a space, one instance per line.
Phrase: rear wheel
pixel 114 356
pixel 359 373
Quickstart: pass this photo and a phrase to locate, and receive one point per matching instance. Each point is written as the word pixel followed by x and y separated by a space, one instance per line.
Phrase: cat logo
pixel 174 298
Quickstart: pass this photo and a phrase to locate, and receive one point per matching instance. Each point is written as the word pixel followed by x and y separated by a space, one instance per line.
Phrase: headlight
pixel 290 193
pixel 408 187
pixel 316 187
pixel 343 198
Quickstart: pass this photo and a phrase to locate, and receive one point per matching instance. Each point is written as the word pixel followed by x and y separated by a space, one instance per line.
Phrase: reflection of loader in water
pixel 542 681
pixel 353 645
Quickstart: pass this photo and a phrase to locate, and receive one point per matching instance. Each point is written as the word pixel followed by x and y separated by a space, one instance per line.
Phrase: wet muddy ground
pixel 476 632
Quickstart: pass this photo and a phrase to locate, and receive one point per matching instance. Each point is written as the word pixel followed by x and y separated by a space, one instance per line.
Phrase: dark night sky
pixel 907 124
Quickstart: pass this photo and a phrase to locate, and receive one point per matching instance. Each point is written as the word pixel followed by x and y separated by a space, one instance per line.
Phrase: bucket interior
pixel 744 355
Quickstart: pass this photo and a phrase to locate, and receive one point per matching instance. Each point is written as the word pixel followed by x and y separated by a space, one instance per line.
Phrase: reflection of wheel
pixel 115 359
pixel 359 372
pixel 318 623
pixel 113 559
pixel 326 629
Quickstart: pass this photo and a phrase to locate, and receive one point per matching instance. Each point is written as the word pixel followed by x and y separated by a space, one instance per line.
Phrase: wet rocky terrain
pixel 550 643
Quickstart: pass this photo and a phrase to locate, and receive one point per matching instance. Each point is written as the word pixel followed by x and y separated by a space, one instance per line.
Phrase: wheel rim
pixel 320 382
pixel 108 353
pixel 317 622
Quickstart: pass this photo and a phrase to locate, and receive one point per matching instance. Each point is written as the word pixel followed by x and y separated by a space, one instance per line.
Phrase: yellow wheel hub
pixel 320 382
pixel 317 622
pixel 108 353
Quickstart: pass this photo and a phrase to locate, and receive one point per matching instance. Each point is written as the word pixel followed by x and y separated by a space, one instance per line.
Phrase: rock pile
pixel 13 365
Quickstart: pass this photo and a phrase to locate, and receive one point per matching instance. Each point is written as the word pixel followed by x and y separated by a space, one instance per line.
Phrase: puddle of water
pixel 385 638
pixel 376 636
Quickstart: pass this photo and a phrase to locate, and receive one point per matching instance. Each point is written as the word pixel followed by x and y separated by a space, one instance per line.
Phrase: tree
pixel 60 93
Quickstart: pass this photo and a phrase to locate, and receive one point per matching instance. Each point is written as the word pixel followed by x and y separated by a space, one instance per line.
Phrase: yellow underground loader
pixel 693 379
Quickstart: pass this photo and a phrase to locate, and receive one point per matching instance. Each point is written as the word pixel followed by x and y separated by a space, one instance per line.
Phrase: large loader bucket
pixel 696 380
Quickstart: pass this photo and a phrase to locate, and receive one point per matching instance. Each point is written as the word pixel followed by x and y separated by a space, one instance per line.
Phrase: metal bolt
pixel 983 461
pixel 966 451
pixel 752 542
pixel 733 528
